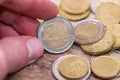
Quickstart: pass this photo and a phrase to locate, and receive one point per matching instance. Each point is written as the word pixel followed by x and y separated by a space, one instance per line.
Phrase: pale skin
pixel 18 18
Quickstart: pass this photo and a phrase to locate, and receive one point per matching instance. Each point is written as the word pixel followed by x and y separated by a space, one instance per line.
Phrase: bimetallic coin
pixel 56 35
pixel 93 5
pixel 56 67
pixel 88 31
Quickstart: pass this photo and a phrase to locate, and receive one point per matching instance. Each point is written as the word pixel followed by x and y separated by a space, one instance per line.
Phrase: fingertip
pixel 18 52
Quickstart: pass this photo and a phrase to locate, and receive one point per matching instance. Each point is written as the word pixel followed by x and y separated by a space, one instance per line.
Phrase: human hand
pixel 17 18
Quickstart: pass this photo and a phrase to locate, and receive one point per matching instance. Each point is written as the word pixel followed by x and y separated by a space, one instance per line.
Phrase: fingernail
pixel 30 62
pixel 35 49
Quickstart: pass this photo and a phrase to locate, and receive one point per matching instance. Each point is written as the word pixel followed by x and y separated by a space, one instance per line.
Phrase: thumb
pixel 16 52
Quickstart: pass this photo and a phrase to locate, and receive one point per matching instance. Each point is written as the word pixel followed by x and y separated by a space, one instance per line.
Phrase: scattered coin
pixel 88 31
pixel 96 3
pixel 108 13
pixel 71 67
pixel 105 66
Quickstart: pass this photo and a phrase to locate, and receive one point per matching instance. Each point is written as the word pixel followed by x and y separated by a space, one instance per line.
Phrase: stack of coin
pixel 74 10
pixel 109 14
pixel 99 45
pixel 93 37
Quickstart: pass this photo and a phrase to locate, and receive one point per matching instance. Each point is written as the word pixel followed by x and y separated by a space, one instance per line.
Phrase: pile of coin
pixel 74 10
pixel 58 34
pixel 94 36
pixel 109 14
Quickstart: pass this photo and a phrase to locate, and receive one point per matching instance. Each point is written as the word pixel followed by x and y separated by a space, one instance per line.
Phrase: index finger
pixel 43 9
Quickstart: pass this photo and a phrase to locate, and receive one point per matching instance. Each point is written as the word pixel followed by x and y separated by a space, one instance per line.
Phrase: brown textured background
pixel 41 69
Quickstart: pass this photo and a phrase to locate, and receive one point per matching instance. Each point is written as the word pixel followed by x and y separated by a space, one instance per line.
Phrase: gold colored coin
pixel 115 29
pixel 108 13
pixel 75 6
pixel 105 66
pixel 101 46
pixel 96 3
pixel 74 16
pixel 73 67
